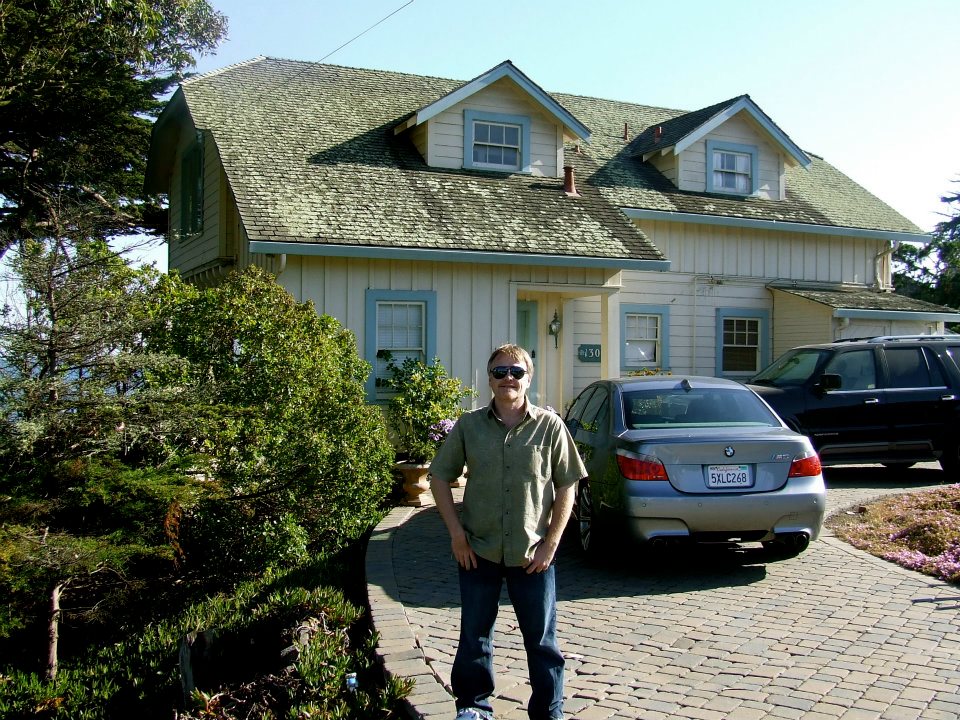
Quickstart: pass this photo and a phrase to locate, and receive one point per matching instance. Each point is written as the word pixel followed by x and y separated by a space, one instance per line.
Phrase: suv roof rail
pixel 907 338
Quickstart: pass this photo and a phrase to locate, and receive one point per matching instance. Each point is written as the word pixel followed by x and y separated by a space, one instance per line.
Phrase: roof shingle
pixel 311 156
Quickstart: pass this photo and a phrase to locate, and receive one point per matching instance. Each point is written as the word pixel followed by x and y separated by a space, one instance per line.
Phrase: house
pixel 440 218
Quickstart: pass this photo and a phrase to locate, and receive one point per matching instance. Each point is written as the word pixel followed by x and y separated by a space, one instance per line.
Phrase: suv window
pixel 791 369
pixel 912 368
pixel 953 352
pixel 857 369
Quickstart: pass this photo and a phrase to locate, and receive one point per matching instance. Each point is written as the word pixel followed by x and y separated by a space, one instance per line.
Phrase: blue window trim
pixel 751 314
pixel 664 312
pixel 469 116
pixel 372 297
pixel 751 150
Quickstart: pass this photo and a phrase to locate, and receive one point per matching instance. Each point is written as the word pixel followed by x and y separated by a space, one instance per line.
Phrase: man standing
pixel 523 473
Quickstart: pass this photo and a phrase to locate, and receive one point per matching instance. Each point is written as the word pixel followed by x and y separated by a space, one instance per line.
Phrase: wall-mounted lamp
pixel 554 328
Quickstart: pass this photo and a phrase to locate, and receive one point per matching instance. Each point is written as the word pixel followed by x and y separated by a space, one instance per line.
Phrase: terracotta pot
pixel 416 483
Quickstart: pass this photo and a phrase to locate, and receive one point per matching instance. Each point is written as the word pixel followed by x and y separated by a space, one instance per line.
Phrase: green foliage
pixel 426 397
pixel 74 359
pixel 138 677
pixel 79 80
pixel 932 272
pixel 292 437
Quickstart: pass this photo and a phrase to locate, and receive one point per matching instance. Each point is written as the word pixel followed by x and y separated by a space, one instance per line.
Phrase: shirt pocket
pixel 532 463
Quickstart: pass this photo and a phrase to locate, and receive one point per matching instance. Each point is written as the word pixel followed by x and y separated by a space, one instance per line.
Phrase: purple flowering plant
pixel 424 405
pixel 919 531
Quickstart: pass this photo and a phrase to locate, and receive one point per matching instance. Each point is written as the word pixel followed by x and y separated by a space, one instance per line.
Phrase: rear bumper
pixel 655 509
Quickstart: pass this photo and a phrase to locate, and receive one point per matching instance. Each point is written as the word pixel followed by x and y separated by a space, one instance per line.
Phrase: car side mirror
pixel 829 381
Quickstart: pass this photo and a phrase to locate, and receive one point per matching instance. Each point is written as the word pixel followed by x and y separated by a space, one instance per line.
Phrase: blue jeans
pixel 534 598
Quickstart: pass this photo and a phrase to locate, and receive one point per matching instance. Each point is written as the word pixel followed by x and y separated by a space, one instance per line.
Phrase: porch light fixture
pixel 554 329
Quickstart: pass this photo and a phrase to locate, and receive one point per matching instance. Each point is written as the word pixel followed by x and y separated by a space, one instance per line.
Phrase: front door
pixel 527 339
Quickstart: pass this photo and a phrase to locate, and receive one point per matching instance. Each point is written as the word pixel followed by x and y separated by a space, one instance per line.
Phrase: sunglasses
pixel 500 372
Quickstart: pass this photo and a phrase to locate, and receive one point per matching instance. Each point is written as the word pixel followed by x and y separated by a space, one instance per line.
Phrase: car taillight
pixel 641 467
pixel 806 466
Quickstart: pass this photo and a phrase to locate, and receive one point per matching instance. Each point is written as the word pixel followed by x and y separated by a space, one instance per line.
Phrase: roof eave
pixel 505 69
pixel 745 104
pixel 807 228
pixel 270 247
pixel 925 316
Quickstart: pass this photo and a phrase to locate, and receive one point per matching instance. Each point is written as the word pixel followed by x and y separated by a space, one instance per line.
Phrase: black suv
pixel 893 400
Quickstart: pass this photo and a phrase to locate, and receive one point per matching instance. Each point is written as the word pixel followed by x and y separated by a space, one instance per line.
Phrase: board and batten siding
pixel 799 322
pixel 693 301
pixel 444 135
pixel 739 130
pixel 186 253
pixel 473 301
pixel 746 252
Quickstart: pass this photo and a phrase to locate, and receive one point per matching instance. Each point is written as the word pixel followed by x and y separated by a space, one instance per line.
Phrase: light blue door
pixel 527 339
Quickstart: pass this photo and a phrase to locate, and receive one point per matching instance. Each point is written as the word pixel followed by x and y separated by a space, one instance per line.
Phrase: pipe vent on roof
pixel 569 182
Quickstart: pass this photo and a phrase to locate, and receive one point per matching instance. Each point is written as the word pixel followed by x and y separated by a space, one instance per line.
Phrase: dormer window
pixel 496 145
pixel 495 141
pixel 731 168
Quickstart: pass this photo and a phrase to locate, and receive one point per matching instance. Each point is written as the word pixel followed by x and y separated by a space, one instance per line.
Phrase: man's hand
pixel 542 557
pixel 466 558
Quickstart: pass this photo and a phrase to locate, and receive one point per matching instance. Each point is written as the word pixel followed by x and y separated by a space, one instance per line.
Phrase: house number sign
pixel 588 353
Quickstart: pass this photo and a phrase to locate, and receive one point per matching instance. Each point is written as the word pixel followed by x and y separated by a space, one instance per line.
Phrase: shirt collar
pixel 529 411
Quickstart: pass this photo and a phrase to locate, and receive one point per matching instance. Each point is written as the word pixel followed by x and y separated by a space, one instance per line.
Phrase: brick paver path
pixel 833 633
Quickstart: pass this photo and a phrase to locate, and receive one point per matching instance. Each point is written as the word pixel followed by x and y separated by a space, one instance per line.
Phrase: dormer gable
pixel 499 121
pixel 731 148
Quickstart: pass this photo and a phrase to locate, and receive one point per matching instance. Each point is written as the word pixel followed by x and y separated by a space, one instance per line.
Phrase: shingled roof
pixel 818 194
pixel 311 156
pixel 849 298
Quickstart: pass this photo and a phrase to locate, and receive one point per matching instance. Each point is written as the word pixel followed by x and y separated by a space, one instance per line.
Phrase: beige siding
pixel 474 304
pixel 445 132
pixel 799 322
pixel 418 136
pixel 743 252
pixel 693 302
pixel 667 165
pixel 742 130
pixel 186 253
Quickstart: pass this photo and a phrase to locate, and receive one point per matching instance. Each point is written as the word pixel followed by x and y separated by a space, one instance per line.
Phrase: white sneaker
pixel 473 714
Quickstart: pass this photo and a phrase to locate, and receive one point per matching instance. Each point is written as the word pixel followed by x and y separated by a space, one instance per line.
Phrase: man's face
pixel 509 389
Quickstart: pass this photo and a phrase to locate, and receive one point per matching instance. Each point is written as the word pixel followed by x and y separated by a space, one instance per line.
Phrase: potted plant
pixel 422 411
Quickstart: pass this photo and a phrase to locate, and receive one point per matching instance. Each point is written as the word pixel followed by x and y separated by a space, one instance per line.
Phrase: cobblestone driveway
pixel 833 633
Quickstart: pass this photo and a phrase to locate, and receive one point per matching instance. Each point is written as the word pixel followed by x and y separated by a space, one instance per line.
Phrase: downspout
pixel 878 259
pixel 274 264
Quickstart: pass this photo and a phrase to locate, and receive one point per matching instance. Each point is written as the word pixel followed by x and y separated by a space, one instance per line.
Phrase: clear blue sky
pixel 869 85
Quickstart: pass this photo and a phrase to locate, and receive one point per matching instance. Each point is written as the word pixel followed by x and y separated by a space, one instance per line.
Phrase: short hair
pixel 515 353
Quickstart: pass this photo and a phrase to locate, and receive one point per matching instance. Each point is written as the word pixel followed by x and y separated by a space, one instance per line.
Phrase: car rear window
pixel 700 407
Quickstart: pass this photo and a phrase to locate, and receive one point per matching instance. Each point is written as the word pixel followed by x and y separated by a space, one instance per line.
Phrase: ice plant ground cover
pixel 919 531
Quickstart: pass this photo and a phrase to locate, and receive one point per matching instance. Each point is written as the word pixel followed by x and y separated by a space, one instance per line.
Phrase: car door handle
pixel 949 397
pixel 871 401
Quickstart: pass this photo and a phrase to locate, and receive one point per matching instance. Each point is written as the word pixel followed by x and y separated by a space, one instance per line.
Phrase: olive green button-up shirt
pixel 513 478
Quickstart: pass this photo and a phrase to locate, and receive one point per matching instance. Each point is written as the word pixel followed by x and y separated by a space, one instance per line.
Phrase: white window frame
pixel 642 338
pixel 474 118
pixel 488 144
pixel 661 313
pixel 745 166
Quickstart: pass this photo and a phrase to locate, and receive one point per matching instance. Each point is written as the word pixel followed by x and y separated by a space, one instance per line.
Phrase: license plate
pixel 723 476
